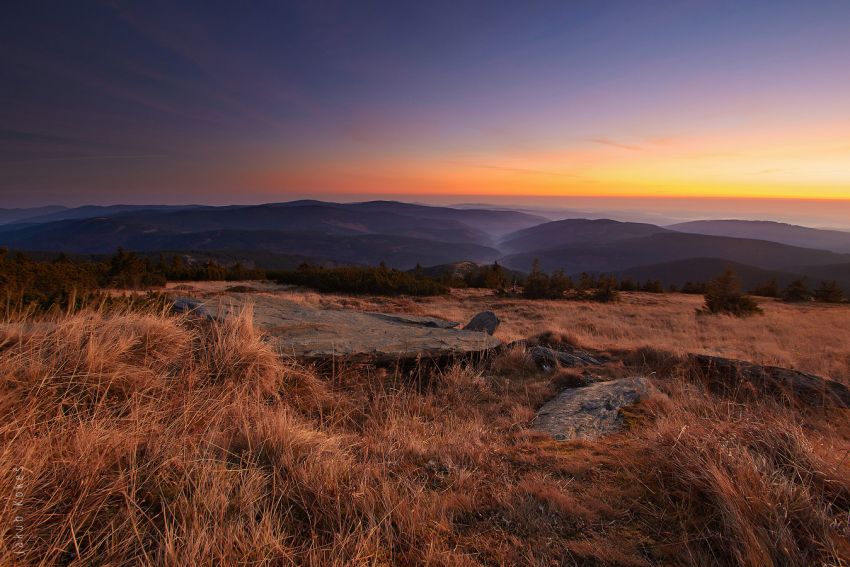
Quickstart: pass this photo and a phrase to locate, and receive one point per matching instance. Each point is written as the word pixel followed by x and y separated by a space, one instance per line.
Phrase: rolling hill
pixel 832 240
pixel 104 235
pixel 563 233
pixel 494 222
pixel 19 215
pixel 671 246
pixel 404 235
pixel 107 228
pixel 43 215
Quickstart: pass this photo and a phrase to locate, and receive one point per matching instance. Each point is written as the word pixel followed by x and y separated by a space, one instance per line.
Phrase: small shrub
pixel 829 292
pixel 723 295
pixel 537 285
pixel 767 289
pixel 559 284
pixel 606 289
pixel 797 291
pixel 695 288
pixel 652 286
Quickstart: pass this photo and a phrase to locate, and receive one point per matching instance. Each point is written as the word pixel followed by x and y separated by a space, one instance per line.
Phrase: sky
pixel 649 102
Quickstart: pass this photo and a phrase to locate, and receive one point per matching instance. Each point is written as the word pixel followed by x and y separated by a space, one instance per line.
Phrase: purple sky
pixel 521 102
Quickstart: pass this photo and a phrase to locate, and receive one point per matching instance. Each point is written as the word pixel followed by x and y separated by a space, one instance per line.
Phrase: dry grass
pixel 149 439
pixel 809 337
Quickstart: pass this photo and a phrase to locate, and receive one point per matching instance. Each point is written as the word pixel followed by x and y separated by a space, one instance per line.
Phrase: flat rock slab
pixel 727 374
pixel 311 332
pixel 591 411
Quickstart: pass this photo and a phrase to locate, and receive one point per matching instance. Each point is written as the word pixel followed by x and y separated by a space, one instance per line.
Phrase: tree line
pixel 62 280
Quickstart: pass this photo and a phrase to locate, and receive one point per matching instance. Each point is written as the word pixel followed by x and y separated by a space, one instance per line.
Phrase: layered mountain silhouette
pixel 400 234
pixel 18 215
pixel 618 255
pixel 403 235
pixel 833 240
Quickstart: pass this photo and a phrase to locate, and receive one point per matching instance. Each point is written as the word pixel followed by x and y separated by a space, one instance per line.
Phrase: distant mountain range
pixel 400 234
pixel 404 235
pixel 57 213
pixel 833 240
pixel 17 215
pixel 611 254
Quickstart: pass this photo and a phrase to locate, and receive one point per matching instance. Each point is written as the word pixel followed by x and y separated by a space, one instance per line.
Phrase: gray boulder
pixel 548 358
pixel 592 411
pixel 486 321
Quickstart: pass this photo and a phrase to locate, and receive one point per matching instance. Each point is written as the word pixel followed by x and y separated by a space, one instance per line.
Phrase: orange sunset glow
pixel 581 101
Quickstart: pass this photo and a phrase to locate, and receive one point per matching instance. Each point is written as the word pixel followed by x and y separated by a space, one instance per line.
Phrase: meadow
pixel 132 436
pixel 811 337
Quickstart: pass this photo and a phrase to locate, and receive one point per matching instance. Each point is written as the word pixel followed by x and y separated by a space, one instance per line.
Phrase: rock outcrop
pixel 591 411
pixel 191 307
pixel 309 332
pixel 728 375
pixel 486 321
pixel 547 358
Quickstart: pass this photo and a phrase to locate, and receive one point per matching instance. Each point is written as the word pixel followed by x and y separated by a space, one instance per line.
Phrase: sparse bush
pixel 487 277
pixel 652 286
pixel 559 284
pixel 829 292
pixel 723 295
pixel 797 291
pixel 695 288
pixel 767 289
pixel 586 284
pixel 606 289
pixel 537 285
